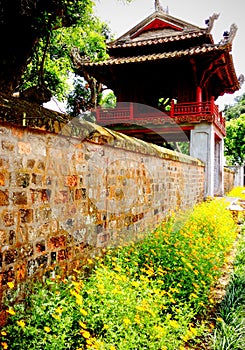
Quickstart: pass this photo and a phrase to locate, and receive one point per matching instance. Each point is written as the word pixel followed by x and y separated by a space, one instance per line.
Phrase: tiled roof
pixel 168 21
pixel 158 56
pixel 156 41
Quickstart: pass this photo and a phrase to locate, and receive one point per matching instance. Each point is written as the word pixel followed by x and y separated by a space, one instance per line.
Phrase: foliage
pixel 238 192
pixel 79 98
pixel 142 295
pixel 25 22
pixel 234 111
pixel 235 141
pixel 108 100
pixel 164 103
pixel 229 332
pixel 89 36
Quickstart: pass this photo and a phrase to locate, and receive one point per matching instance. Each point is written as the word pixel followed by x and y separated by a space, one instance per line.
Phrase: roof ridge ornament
pixel 210 21
pixel 241 80
pixel 159 8
pixel 228 36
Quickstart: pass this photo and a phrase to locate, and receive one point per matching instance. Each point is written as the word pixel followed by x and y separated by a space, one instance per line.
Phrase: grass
pixel 229 333
pixel 144 295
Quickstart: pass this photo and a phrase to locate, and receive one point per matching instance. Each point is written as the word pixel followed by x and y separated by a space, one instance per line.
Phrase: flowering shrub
pixel 144 295
pixel 238 192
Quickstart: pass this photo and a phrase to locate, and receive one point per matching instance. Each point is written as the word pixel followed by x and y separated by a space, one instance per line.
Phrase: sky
pixel 122 16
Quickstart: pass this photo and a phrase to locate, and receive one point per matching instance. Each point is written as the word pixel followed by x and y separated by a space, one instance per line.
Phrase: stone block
pixel 4 198
pixel 71 180
pixel 20 198
pixel 61 197
pixel 7 276
pixel 8 218
pixel 62 255
pixel 3 238
pixel 30 163
pixel 24 148
pixel 7 146
pixel 26 215
pixel 20 272
pixel 11 237
pixel 22 180
pixel 36 179
pixel 40 246
pixel 57 242
pixel 2 179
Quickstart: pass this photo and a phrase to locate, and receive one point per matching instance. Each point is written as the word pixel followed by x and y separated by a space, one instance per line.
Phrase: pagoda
pixel 164 57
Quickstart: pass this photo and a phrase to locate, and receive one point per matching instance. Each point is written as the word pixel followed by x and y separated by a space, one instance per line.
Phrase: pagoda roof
pixel 199 50
pixel 161 38
pixel 159 25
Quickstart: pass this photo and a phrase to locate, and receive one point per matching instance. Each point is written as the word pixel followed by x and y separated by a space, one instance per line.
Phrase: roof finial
pixel 210 21
pixel 158 6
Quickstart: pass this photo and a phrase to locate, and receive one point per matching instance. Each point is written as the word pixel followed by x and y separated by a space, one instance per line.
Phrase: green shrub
pixel 144 295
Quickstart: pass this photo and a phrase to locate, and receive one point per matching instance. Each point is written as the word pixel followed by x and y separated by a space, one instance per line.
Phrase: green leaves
pixel 74 26
pixel 142 295
pixel 235 141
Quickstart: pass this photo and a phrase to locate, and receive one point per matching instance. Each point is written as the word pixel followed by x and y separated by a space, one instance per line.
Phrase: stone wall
pixel 229 179
pixel 84 188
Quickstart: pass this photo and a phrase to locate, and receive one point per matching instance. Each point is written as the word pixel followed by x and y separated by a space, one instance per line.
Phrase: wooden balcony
pixel 181 113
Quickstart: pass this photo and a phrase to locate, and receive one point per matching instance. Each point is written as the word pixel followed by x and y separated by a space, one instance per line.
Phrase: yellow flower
pixel 47 329
pixel 118 269
pixel 21 323
pixel 193 295
pixel 79 300
pixel 90 341
pixel 82 324
pixel 11 312
pixel 126 321
pixel 137 319
pixel 57 317
pixel 83 312
pixel 219 319
pixel 193 330
pixel 85 334
pixel 112 347
pixel 135 284
pixel 4 345
pixel 174 324
pixel 3 333
pixel 11 285
pixel 186 337
pixel 58 310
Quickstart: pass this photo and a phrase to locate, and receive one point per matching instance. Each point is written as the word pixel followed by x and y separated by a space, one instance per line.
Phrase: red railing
pixel 191 112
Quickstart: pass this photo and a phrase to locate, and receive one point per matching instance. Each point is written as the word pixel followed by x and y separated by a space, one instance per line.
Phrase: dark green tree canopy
pixel 235 132
pixel 235 141
pixel 24 22
pixel 236 109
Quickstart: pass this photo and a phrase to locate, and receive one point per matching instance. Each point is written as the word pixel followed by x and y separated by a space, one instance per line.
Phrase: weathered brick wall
pixel 60 194
pixel 229 180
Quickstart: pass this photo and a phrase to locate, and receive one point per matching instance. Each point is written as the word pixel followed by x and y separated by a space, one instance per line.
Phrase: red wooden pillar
pixel 199 98
pixel 199 94
pixel 212 105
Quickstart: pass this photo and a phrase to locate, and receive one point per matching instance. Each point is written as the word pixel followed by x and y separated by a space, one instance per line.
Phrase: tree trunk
pixel 22 23
pixel 18 37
